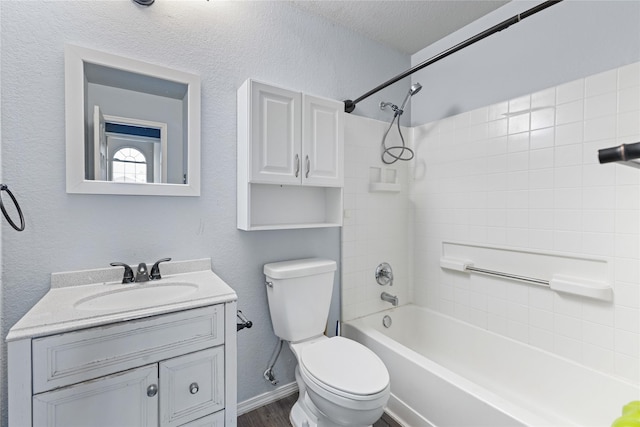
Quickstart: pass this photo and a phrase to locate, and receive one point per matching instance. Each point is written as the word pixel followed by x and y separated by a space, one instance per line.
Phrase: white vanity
pixel 96 352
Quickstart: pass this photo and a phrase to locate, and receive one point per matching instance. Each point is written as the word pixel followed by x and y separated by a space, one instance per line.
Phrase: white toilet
pixel 341 382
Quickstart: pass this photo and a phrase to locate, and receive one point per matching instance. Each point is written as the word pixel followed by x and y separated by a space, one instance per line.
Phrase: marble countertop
pixel 60 310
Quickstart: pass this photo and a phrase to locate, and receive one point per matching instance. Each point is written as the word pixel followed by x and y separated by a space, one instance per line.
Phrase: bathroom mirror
pixel 131 127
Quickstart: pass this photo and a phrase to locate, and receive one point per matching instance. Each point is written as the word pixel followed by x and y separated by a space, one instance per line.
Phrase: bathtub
pixel 445 372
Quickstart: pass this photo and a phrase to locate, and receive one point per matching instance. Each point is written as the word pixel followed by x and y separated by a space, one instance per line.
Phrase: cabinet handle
pixel 152 390
pixel 193 388
pixel 297 160
pixel 308 166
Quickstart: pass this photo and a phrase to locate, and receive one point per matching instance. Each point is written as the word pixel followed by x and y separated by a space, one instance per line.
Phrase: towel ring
pixel 3 187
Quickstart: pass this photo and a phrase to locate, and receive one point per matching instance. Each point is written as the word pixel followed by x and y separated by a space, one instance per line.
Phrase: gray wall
pixel 223 42
pixel 567 41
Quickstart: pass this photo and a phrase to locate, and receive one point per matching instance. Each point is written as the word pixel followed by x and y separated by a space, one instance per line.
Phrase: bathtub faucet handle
pixel 384 274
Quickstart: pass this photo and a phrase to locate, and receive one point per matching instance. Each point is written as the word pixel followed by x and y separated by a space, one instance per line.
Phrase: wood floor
pixel 276 414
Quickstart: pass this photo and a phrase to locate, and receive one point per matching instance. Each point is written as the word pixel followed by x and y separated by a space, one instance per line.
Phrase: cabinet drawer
pixel 116 400
pixel 191 386
pixel 213 420
pixel 72 357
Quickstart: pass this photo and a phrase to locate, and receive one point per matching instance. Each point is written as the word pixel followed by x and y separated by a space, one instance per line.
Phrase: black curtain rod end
pixel 349 106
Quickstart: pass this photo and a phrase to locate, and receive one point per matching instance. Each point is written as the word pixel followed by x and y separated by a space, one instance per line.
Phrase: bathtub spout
pixel 389 298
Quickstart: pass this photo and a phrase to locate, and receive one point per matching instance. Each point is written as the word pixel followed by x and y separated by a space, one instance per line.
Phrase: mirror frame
pixel 75 57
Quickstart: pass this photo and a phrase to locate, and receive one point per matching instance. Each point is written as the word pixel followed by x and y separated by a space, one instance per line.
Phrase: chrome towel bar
pixel 559 283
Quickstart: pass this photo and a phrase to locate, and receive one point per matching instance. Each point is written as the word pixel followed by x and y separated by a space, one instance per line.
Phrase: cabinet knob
pixel 152 390
pixel 193 388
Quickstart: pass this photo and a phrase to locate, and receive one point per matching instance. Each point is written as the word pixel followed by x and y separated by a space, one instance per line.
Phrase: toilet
pixel 341 382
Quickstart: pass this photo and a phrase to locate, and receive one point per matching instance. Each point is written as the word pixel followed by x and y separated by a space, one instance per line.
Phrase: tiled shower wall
pixel 375 227
pixel 524 174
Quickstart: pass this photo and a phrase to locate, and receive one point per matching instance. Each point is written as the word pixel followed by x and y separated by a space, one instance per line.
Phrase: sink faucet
pixel 142 274
pixel 389 298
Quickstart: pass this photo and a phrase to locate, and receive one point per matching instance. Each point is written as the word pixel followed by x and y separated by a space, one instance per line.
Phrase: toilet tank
pixel 299 294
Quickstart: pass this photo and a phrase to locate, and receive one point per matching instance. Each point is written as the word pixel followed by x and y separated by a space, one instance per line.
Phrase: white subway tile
pixel 627 367
pixel 629 99
pixel 541 298
pixel 597 334
pixel 498 128
pixel 601 105
pixel 542 138
pixel 627 294
pixel 628 124
pixel 572 133
pixel 598 244
pixel 522 103
pixel 518 218
pixel 497 324
pixel 598 221
pixel 541 219
pixel 600 128
pixel 541 178
pixel 568 198
pixel 601 83
pixel 598 312
pixel 629 75
pixel 544 98
pixel 568 220
pixel 568 347
pixel 599 358
pixel 541 339
pixel 542 319
pixel 518 331
pixel 627 343
pixel 518 180
pixel 567 326
pixel 519 123
pixel 628 197
pixel 570 91
pixel 518 161
pixel 596 175
pixel 541 199
pixel 568 177
pixel 542 118
pixel 627 270
pixel 627 221
pixel 627 319
pixel 518 237
pixel 518 142
pixel 570 113
pixel 598 197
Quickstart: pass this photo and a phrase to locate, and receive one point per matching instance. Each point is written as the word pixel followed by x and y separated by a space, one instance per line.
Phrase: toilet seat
pixel 344 368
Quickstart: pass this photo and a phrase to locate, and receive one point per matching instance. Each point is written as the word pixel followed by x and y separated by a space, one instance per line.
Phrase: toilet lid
pixel 345 365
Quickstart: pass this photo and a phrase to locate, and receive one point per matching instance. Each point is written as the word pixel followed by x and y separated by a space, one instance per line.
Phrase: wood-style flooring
pixel 276 414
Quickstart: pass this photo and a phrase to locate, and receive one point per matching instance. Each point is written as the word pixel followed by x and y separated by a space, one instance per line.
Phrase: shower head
pixel 415 88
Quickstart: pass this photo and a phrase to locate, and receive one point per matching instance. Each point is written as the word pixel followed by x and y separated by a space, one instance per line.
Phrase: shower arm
pixel 350 105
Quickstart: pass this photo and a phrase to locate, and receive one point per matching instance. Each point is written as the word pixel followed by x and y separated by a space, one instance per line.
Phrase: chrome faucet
pixel 142 274
pixel 389 298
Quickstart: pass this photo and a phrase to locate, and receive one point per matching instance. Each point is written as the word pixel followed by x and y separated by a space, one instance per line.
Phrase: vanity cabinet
pixel 165 370
pixel 290 159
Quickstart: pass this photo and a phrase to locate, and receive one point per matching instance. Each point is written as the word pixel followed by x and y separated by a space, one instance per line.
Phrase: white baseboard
pixel 266 398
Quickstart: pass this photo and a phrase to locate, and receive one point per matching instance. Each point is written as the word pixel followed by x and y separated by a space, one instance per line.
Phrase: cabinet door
pixel 191 386
pixel 323 142
pixel 122 400
pixel 276 133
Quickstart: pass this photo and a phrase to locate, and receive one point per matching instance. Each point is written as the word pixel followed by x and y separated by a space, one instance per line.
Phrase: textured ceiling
pixel 407 26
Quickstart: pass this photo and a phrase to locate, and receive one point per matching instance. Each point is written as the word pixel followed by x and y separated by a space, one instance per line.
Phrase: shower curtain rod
pixel 350 105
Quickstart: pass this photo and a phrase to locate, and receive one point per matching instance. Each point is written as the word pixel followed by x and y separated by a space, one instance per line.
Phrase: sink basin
pixel 133 296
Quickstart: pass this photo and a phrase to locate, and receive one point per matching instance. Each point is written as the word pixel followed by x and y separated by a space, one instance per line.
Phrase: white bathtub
pixel 445 372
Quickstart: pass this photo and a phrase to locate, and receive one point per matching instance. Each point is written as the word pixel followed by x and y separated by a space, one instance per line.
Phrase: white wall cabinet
pixel 166 370
pixel 290 159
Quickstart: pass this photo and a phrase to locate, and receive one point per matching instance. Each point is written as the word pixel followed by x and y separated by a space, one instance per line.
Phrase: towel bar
pixel 571 285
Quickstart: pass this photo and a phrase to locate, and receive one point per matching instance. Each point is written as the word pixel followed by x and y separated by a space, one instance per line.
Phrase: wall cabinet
pixel 290 159
pixel 165 370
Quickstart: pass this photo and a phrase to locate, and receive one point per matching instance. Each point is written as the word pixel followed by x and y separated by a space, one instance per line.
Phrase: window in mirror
pixel 114 102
